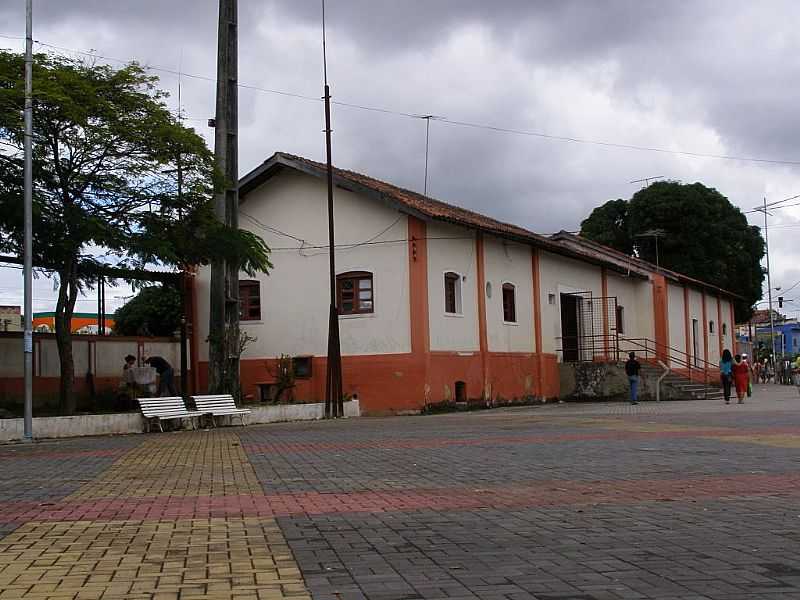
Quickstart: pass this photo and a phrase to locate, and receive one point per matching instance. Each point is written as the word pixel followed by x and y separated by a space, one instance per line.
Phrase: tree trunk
pixel 65 307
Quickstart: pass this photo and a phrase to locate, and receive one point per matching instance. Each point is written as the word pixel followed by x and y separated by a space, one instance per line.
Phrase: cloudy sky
pixel 703 76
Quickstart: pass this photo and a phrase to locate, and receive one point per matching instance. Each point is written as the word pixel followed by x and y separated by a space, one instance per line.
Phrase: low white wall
pixel 83 425
pixel 61 427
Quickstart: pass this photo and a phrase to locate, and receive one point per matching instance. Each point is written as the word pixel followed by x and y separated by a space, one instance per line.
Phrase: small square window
pixel 302 367
pixel 355 293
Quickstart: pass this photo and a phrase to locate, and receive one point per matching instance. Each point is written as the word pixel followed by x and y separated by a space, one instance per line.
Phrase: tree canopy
pixel 702 235
pixel 107 157
pixel 155 310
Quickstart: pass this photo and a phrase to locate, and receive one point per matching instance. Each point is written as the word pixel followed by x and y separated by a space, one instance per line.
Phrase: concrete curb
pixel 118 423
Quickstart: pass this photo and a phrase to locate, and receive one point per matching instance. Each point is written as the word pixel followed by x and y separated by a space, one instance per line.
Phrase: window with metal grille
pixel 249 300
pixel 509 303
pixel 355 293
pixel 452 293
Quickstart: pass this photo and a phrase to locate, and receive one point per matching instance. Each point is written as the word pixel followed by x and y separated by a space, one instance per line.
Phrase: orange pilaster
pixel 418 286
pixel 482 335
pixel 661 316
pixel 705 328
pixel 537 319
pixel 719 325
pixel 687 326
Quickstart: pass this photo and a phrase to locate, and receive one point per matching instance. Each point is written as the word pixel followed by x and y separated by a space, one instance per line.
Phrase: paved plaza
pixel 668 501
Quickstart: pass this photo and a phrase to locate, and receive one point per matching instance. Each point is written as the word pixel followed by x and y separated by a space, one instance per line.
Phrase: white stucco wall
pixel 677 321
pixel 713 338
pixel 696 312
pixel 636 296
pixel 727 337
pixel 559 275
pixel 295 295
pixel 507 262
pixel 452 248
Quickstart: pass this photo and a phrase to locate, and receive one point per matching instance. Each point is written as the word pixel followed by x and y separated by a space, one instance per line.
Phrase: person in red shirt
pixel 741 377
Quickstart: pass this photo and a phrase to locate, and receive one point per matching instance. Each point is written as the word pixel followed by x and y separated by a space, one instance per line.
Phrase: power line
pixel 466 124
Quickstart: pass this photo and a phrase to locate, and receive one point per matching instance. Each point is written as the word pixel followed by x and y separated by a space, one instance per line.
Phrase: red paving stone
pixel 534 494
pixel 614 435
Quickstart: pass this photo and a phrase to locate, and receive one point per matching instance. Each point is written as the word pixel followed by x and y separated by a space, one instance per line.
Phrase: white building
pixel 440 303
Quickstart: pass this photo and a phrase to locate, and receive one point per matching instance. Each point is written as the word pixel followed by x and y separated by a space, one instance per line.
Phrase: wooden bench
pixel 171 408
pixel 221 405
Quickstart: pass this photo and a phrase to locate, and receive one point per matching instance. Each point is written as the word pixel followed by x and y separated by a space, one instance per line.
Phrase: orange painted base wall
pixel 394 383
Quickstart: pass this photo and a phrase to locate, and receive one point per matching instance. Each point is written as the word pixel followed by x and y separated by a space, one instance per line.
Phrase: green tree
pixel 608 225
pixel 704 236
pixel 105 160
pixel 155 310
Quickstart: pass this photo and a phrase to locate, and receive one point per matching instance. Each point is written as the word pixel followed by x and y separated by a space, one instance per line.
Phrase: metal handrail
pixel 611 346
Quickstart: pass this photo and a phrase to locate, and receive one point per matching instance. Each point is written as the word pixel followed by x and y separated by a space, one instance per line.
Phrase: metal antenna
pixel 427 119
pixel 646 180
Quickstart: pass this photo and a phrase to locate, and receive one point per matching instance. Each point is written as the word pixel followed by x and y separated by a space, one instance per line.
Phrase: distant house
pixel 84 323
pixel 787 336
pixel 439 303
pixel 10 318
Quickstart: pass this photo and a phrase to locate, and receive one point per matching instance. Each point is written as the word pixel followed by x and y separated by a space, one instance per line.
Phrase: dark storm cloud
pixel 705 76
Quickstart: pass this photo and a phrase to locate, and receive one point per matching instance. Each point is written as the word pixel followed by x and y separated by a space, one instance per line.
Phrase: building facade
pixel 438 303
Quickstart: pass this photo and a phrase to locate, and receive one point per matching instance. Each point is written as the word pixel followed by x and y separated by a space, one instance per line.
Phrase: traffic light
pixel 780 301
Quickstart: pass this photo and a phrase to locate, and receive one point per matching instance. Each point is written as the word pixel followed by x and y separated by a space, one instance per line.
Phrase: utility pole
pixel 769 286
pixel 334 402
pixel 28 225
pixel 224 349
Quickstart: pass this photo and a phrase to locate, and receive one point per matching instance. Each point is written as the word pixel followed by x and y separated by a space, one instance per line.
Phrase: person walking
pixel 166 376
pixel 741 377
pixel 632 367
pixel 726 374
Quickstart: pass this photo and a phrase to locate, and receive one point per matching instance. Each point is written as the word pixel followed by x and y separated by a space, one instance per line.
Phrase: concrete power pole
pixel 223 368
pixel 28 224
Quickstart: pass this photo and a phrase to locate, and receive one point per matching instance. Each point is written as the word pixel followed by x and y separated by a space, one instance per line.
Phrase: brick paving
pixel 667 501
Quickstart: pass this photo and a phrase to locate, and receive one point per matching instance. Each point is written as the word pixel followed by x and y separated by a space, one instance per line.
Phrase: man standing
pixel 166 376
pixel 632 367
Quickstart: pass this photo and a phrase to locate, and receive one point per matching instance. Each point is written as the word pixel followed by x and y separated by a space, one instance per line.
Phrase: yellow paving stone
pixel 778 440
pixel 201 463
pixel 227 558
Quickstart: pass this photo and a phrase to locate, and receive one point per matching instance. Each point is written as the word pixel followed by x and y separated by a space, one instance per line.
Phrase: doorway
pixel 461 391
pixel 570 347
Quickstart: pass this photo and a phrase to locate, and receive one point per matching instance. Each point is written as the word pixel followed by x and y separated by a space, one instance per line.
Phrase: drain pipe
pixel 660 379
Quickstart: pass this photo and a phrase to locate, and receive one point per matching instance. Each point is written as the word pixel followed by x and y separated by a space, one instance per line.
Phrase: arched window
pixel 249 300
pixel 509 303
pixel 355 293
pixel 452 293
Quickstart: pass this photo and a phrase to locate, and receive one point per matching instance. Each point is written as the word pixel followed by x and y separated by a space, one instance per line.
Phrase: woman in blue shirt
pixel 725 374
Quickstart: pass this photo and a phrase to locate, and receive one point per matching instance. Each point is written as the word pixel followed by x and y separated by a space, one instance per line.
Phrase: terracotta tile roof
pixel 414 203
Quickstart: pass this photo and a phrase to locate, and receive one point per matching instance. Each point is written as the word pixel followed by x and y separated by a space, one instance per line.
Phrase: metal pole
pixel 333 389
pixel 28 224
pixel 769 290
